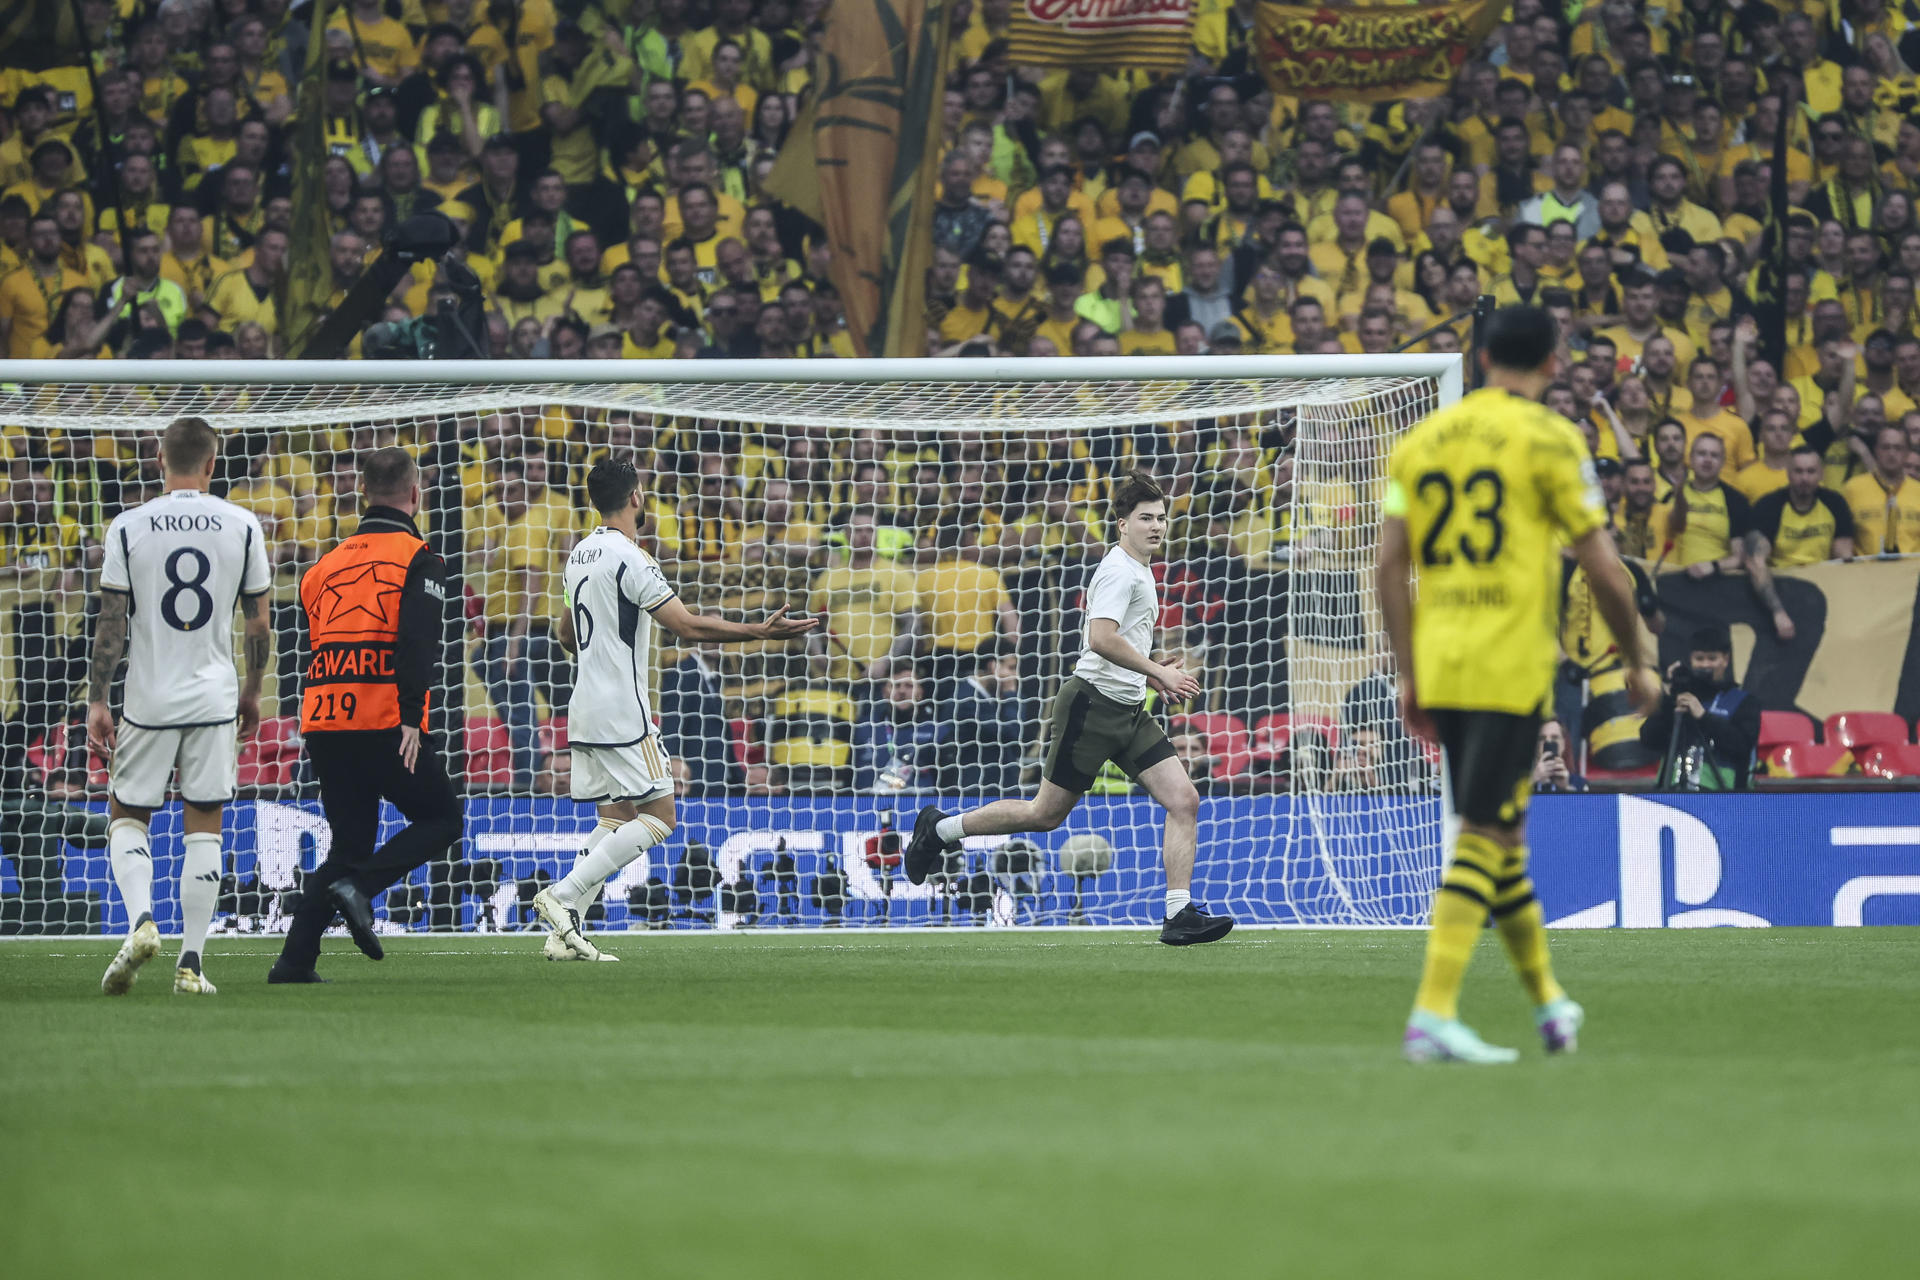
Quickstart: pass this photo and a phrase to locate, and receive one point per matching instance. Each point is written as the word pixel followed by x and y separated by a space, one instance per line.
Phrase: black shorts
pixel 1489 763
pixel 1089 729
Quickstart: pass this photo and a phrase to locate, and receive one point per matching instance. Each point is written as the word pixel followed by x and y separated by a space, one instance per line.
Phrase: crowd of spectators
pixel 608 172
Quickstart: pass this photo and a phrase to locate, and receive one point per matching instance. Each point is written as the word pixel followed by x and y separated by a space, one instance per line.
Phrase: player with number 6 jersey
pixel 175 569
pixel 619 764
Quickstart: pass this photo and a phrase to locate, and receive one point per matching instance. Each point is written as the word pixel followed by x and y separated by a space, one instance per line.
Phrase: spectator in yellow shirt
pixel 966 605
pixel 31 293
pixel 383 48
pixel 519 541
pixel 1885 501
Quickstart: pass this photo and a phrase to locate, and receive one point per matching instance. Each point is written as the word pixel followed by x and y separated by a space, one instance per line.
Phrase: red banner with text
pixel 1148 35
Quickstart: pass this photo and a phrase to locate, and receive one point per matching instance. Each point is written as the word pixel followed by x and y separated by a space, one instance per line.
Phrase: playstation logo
pixel 1645 827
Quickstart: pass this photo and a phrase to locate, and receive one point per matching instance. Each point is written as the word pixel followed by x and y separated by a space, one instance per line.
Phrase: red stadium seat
pixel 1227 740
pixel 1778 727
pixel 1809 760
pixel 489 758
pixel 1892 760
pixel 1271 732
pixel 552 736
pixel 1852 729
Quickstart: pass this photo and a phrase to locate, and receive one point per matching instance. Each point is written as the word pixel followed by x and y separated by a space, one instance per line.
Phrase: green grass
pixel 1047 1105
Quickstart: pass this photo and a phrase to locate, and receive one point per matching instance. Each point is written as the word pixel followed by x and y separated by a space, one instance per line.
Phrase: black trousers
pixel 356 771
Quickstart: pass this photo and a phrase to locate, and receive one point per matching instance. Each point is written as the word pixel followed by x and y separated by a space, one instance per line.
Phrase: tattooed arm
pixel 259 649
pixel 109 646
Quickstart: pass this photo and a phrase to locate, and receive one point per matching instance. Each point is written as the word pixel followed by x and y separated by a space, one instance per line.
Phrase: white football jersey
pixel 184 559
pixel 610 585
pixel 1121 589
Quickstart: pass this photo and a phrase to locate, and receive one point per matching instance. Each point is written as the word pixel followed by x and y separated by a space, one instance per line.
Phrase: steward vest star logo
pixel 361 597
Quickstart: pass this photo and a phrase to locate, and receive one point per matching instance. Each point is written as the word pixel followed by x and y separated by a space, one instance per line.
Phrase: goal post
pixel 942 516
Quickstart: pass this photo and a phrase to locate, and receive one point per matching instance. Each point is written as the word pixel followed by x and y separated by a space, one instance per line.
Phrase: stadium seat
pixel 1227 740
pixel 1891 761
pixel 552 736
pixel 1852 729
pixel 489 758
pixel 1780 727
pixel 1270 732
pixel 1809 760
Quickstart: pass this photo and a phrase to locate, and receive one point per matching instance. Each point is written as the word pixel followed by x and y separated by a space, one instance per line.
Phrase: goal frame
pixel 1447 373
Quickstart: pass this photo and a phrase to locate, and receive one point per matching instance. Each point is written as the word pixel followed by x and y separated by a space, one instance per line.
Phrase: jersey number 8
pixel 194 588
pixel 1488 492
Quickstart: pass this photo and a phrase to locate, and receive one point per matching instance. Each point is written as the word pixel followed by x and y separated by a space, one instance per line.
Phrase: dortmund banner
pixel 1152 35
pixel 1368 53
pixel 875 110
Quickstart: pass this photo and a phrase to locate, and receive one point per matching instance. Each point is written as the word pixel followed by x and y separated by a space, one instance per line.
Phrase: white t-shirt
pixel 610 583
pixel 1121 589
pixel 185 559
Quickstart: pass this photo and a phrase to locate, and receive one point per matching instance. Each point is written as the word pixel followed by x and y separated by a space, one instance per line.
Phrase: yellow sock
pixel 1523 930
pixel 1460 909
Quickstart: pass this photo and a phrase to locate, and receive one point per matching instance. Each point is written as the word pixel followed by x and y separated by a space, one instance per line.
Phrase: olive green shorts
pixel 1088 729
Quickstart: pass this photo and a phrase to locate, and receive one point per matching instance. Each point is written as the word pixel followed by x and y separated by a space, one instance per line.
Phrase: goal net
pixel 942 518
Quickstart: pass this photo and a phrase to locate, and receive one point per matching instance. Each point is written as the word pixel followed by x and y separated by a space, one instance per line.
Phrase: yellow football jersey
pixel 1491 489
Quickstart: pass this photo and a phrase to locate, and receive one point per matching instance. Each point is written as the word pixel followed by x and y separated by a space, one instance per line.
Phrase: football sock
pixel 1177 900
pixel 616 851
pixel 1523 929
pixel 950 829
pixel 199 894
pixel 1460 908
pixel 601 830
pixel 132 863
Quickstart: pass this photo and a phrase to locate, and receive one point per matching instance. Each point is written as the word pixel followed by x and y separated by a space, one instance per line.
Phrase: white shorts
pixel 144 760
pixel 640 772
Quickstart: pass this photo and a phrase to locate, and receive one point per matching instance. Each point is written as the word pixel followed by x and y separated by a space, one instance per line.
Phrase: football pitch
pixel 934 1105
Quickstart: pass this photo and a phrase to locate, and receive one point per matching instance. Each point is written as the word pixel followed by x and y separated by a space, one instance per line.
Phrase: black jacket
pixel 983 747
pixel 693 725
pixel 1726 734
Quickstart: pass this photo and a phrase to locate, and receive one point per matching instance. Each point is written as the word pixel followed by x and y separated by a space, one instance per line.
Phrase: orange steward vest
pixel 352 601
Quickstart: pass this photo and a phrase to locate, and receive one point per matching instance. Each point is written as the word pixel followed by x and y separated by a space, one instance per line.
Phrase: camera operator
pixel 1550 769
pixel 1706 724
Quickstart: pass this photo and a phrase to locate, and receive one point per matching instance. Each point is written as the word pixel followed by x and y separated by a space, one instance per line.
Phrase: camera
pixel 1701 684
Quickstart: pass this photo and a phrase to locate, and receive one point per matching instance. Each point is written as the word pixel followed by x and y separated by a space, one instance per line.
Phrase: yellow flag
pixel 875 110
pixel 309 273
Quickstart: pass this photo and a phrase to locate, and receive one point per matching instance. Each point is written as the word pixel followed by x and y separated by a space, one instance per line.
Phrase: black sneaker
pixel 277 976
pixel 357 912
pixel 1193 925
pixel 926 850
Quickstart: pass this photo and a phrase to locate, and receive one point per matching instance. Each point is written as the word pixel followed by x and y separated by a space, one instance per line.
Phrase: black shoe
pixel 1193 925
pixel 357 912
pixel 926 850
pixel 277 975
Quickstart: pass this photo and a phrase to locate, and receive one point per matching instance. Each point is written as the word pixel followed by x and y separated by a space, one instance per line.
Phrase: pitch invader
pixel 1101 715
pixel 174 569
pixel 1480 499
pixel 619 764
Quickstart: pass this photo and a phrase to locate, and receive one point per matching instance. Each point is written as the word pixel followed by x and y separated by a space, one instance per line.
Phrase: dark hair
pixel 1520 338
pixel 1136 490
pixel 387 473
pixel 1713 638
pixel 186 446
pixel 611 485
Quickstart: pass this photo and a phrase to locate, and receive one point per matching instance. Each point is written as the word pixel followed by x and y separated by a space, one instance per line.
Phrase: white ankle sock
pixel 132 863
pixel 1177 900
pixel 199 892
pixel 616 851
pixel 951 829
